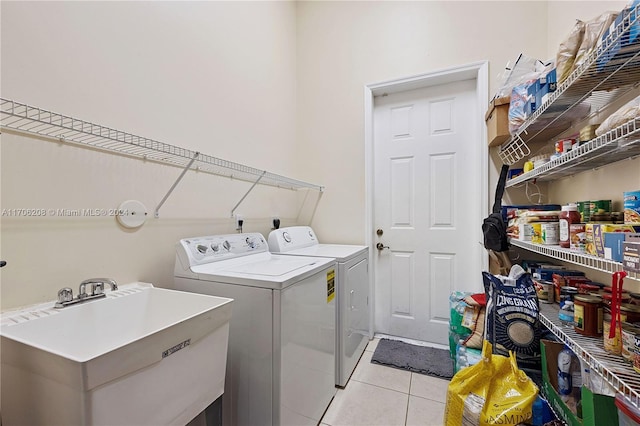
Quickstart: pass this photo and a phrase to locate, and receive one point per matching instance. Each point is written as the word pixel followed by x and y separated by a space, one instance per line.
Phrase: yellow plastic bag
pixel 491 392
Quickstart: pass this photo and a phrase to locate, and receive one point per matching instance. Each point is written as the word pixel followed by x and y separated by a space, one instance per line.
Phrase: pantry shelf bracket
pixel 156 213
pixel 233 210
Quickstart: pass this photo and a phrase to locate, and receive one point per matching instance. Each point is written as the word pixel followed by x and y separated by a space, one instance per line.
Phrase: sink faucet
pixel 97 287
pixel 65 295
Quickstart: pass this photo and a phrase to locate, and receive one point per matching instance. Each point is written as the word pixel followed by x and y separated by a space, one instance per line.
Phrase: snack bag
pixel 491 392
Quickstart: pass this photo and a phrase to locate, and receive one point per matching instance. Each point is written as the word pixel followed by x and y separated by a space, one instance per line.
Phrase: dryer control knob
pixel 226 245
pixel 286 236
pixel 202 249
pixel 215 248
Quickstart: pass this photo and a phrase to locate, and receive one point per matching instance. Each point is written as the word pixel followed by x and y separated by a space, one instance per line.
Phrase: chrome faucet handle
pixel 97 288
pixel 82 292
pixel 65 295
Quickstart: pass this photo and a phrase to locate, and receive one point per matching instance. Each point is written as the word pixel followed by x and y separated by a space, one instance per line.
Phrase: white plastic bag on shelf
pixel 627 112
pixel 516 74
pixel 520 96
pixel 568 50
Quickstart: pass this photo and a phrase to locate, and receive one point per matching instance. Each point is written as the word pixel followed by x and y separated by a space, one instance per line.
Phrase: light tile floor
pixel 379 395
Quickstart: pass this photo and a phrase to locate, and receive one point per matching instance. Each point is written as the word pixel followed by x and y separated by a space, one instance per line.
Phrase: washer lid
pixel 263 270
pixel 276 266
pixel 340 252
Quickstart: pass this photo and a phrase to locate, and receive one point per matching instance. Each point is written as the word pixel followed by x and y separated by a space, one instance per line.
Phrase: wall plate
pixel 131 214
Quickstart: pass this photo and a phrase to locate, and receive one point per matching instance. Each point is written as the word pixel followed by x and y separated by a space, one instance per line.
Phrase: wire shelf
pixel 588 261
pixel 621 143
pixel 612 368
pixel 37 121
pixel 611 69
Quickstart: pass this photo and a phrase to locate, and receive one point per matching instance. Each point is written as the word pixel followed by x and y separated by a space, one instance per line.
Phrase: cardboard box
pixel 597 410
pixel 595 235
pixel 539 91
pixel 497 119
pixel 631 256
pixel 613 245
pixel 633 237
pixel 612 58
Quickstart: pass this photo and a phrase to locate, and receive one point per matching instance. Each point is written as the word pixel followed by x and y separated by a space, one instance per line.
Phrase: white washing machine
pixel 352 288
pixel 281 354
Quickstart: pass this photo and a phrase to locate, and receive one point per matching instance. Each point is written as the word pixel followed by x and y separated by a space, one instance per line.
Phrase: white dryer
pixel 352 288
pixel 281 355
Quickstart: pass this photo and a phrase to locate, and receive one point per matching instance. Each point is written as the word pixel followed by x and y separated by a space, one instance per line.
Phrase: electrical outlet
pixel 275 222
pixel 239 222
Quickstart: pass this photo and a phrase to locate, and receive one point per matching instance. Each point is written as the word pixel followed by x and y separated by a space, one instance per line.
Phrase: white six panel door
pixel 427 190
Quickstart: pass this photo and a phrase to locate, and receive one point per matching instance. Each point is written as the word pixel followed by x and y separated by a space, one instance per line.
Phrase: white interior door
pixel 427 190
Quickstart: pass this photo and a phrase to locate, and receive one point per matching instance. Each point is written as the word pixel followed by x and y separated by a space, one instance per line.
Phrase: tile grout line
pixel 381 387
pixel 406 411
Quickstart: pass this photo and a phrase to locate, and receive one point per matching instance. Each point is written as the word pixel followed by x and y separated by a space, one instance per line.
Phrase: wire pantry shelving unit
pixel 612 368
pixel 609 71
pixel 586 260
pixel 621 143
pixel 40 122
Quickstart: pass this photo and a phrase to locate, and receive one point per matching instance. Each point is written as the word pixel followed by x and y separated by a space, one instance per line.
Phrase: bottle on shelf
pixel 568 216
pixel 576 384
pixel 564 373
pixel 566 313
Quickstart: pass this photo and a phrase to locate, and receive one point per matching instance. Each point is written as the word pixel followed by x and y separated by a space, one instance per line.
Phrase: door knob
pixel 379 232
pixel 381 246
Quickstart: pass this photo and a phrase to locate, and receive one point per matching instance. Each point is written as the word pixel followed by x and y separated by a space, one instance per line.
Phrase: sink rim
pixel 84 352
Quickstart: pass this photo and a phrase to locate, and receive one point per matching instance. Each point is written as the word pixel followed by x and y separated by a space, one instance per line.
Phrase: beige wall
pixel 217 77
pixel 343 46
pixel 275 85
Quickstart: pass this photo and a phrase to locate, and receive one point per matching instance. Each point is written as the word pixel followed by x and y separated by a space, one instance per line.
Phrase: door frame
pixel 478 71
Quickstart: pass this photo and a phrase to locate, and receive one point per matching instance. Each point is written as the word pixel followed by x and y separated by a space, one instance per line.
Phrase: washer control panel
pixel 214 248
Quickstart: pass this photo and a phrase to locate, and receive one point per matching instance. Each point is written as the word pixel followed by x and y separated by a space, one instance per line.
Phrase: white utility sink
pixel 141 356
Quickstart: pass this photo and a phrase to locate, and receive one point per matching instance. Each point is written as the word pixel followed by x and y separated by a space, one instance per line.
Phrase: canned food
pixel 629 312
pixel 525 232
pixel 599 207
pixel 550 233
pixel 567 294
pixel 617 217
pixel 587 315
pixel 547 233
pixel 544 291
pixel 636 353
pixel 584 210
pixel 629 332
pixel 612 344
pixel 586 288
pixel 601 218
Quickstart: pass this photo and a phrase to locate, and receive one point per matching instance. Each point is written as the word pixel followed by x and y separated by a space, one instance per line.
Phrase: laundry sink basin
pixel 142 355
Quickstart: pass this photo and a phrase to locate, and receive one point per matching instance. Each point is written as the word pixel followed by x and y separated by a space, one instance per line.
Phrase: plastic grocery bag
pixel 491 392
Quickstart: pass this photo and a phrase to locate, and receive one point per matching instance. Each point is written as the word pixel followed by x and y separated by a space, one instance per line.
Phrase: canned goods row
pixel 587 209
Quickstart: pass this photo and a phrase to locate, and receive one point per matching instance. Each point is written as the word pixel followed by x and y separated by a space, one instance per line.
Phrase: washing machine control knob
pixel 251 242
pixel 215 247
pixel 226 245
pixel 286 236
pixel 201 248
